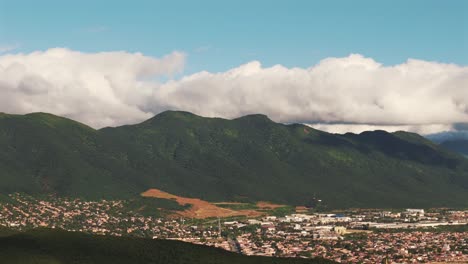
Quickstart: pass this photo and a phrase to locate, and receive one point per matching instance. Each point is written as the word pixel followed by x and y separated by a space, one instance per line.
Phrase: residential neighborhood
pixel 353 236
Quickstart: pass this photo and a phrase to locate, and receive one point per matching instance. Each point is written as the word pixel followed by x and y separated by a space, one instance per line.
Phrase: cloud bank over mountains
pixel 99 89
pixel 353 93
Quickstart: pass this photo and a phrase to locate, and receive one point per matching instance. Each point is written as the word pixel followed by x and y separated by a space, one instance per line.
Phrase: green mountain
pixel 456 141
pixel 56 247
pixel 457 145
pixel 244 159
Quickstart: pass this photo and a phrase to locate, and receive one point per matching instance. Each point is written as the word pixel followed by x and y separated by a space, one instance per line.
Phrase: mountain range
pixel 250 158
pixel 458 145
pixel 456 141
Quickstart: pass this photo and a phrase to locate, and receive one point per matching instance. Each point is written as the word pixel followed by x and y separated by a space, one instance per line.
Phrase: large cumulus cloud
pixel 100 89
pixel 338 94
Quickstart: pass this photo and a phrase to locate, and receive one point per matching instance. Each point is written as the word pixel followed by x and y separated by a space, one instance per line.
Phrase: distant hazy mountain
pixel 446 136
pixel 248 158
pixel 458 145
pixel 456 141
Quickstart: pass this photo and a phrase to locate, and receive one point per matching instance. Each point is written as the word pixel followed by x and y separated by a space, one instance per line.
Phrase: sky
pixel 337 65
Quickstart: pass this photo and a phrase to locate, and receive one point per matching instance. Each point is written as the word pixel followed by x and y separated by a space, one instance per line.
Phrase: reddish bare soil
pixel 268 205
pixel 228 203
pixel 199 209
pixel 301 209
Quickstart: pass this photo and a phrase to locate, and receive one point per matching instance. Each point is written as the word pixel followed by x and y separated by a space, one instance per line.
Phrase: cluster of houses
pixel 359 236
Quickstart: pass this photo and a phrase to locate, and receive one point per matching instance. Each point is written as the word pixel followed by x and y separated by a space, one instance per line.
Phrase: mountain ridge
pixel 458 145
pixel 456 141
pixel 57 246
pixel 249 158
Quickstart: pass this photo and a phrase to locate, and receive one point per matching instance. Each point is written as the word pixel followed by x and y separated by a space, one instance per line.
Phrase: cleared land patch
pixel 199 209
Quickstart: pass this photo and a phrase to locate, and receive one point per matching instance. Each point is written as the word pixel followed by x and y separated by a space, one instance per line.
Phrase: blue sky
pixel 348 65
pixel 219 35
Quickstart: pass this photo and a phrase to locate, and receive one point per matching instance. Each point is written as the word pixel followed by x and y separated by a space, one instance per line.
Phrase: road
pixel 234 245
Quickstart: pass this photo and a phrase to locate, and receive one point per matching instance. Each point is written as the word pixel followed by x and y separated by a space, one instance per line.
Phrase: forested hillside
pixel 246 159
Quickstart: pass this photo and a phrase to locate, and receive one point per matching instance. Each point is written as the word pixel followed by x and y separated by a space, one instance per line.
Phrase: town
pixel 351 236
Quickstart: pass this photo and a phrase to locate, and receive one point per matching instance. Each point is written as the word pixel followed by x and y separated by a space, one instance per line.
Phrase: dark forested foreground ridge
pixel 54 247
pixel 246 159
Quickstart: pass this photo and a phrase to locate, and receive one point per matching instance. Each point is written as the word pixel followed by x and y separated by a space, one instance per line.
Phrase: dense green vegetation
pixel 246 159
pixel 457 145
pixel 282 211
pixel 54 247
pixel 456 141
pixel 154 207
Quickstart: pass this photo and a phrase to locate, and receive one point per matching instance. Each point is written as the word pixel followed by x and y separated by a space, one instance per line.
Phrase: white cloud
pixel 100 89
pixel 116 88
pixel 420 95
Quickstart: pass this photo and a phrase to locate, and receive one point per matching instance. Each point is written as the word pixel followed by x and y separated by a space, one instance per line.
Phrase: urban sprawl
pixel 354 236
